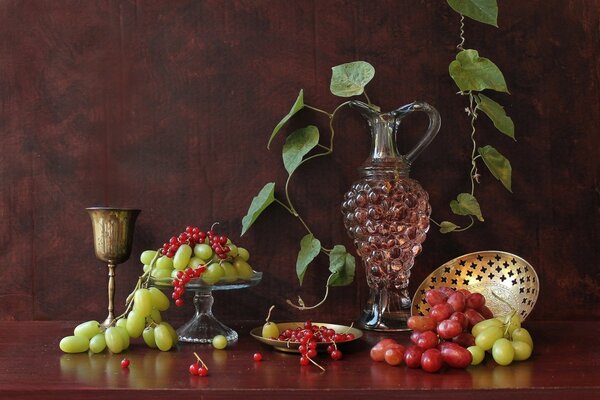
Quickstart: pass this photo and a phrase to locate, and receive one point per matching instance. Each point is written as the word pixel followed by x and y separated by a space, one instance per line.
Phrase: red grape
pixel 431 360
pixel 412 356
pixel 460 318
pixel 441 312
pixel 414 337
pixel 455 355
pixel 475 301
pixel 448 328
pixel 457 301
pixel 446 290
pixel 486 312
pixel 421 323
pixel 434 297
pixel 394 355
pixel 473 316
pixel 427 340
pixel 378 351
pixel 464 339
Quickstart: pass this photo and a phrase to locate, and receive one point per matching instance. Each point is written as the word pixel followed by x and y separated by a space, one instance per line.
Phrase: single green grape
pixel 154 317
pixel 203 251
pixel 161 273
pixel 160 301
pixel 163 338
pixel 244 270
pixel 233 250
pixel 503 351
pixel 231 274
pixel 146 268
pixel 114 339
pixel 147 256
pixel 98 343
pixel 171 331
pixel 164 262
pixel 242 252
pixel 522 335
pixel 148 336
pixel 74 344
pixel 488 336
pixel 481 326
pixel 270 330
pixel 522 350
pixel 124 336
pixel 142 302
pixel 194 262
pixel 135 324
pixel 478 354
pixel 122 323
pixel 213 274
pixel 182 257
pixel 87 329
pixel 219 342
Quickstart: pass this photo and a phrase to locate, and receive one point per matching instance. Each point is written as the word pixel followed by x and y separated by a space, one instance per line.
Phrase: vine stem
pixel 461 34
pixel 473 175
pixel 301 305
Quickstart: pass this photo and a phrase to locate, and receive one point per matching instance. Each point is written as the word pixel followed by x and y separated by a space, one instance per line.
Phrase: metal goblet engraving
pixel 113 236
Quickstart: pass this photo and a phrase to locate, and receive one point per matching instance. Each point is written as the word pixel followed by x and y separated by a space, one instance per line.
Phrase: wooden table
pixel 565 364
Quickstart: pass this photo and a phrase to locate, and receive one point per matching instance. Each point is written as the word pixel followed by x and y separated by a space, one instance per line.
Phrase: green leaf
pixel 262 200
pixel 466 204
pixel 496 113
pixel 447 226
pixel 297 145
pixel 298 105
pixel 471 72
pixel 485 11
pixel 309 248
pixel 350 79
pixel 342 266
pixel 498 165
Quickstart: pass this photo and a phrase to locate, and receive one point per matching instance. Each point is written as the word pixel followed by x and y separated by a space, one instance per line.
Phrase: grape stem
pixel 269 315
pixel 200 360
pixel 315 363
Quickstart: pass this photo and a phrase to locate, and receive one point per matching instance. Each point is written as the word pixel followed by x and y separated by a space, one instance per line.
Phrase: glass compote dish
pixel 204 326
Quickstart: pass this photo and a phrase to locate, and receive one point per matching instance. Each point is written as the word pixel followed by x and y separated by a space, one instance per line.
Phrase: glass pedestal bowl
pixel 204 326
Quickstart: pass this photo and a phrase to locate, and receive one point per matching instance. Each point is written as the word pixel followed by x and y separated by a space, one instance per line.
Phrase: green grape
pixel 135 324
pixel 481 326
pixel 148 336
pixel 145 268
pixel 503 351
pixel 478 354
pixel 243 253
pixel 98 343
pixel 124 336
pixel 522 335
pixel 213 274
pixel 231 274
pixel 488 336
pixel 270 330
pixel 219 342
pixel 154 317
pixel 163 338
pixel 233 250
pixel 159 300
pixel 244 270
pixel 147 256
pixel 87 329
pixel 122 323
pixel 160 273
pixel 171 331
pixel 522 350
pixel 182 257
pixel 203 251
pixel 194 262
pixel 114 339
pixel 74 344
pixel 164 262
pixel 142 302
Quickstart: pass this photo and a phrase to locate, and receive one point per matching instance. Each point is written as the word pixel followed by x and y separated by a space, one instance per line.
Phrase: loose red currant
pixel 124 363
pixel 257 357
pixel 194 369
pixel 179 302
pixel 203 371
pixel 304 361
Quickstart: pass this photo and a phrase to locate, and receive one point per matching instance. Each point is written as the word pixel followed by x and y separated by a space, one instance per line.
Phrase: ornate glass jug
pixel 386 213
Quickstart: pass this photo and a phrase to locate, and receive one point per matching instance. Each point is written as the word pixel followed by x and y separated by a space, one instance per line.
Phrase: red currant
pixel 124 363
pixel 336 355
pixel 203 371
pixel 257 357
pixel 194 369
pixel 304 361
pixel 179 302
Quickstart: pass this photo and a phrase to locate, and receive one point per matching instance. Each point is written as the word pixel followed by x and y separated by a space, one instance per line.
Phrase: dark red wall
pixel 167 106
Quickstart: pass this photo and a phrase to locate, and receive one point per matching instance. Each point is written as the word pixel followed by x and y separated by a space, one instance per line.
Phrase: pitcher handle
pixel 432 130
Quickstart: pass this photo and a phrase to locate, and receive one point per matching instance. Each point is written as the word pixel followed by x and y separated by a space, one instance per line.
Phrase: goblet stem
pixel 111 295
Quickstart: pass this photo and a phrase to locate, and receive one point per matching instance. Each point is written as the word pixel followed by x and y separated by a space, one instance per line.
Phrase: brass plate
pixel 507 275
pixel 292 347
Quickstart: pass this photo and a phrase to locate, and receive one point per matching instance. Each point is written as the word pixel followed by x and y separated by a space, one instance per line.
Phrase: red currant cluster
pixel 198 368
pixel 310 336
pixel 192 236
pixel 182 278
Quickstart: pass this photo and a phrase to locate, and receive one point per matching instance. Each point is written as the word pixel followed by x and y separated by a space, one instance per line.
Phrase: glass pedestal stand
pixel 204 326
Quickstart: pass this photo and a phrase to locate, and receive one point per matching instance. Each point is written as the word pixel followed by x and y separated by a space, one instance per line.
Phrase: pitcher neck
pixel 384 158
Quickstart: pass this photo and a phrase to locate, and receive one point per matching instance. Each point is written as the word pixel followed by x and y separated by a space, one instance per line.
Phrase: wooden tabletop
pixel 565 364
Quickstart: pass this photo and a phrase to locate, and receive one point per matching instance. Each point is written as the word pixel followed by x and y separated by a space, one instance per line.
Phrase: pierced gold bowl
pixel 506 275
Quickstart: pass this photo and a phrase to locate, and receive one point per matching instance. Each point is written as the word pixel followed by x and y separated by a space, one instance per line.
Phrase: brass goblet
pixel 113 236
